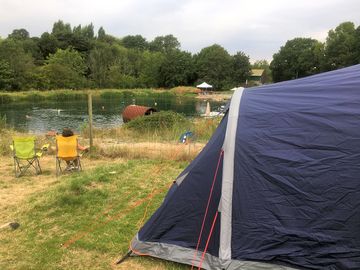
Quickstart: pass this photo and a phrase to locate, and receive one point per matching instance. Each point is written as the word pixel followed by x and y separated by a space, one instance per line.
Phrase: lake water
pixel 42 116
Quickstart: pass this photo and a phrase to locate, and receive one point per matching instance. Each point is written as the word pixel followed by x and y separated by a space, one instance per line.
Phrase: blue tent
pixel 276 187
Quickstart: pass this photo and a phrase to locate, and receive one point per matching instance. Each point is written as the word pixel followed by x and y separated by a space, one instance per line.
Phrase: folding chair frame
pixel 21 165
pixel 71 165
pixel 20 168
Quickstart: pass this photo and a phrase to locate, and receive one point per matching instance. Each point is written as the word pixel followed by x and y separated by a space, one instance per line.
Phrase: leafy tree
pixel 214 65
pixel 63 33
pixel 149 69
pixel 48 44
pixel 83 38
pixel 357 48
pixel 65 69
pixel 340 47
pixel 241 68
pixel 6 75
pixel 101 33
pixel 164 44
pixel 103 37
pixel 31 46
pixel 176 69
pixel 134 42
pixel 101 58
pixel 299 57
pixel 19 63
pixel 19 34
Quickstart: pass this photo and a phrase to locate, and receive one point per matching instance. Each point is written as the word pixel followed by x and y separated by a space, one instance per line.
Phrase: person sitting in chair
pixel 67 132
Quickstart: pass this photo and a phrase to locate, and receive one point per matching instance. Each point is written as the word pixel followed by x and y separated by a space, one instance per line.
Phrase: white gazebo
pixel 204 85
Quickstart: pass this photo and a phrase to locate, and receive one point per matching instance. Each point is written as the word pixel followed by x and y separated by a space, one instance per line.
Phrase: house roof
pixel 257 72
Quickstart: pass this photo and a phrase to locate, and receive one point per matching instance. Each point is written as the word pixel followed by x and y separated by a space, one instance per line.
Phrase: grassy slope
pixel 94 213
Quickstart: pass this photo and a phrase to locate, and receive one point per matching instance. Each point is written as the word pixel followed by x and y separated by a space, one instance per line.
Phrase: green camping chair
pixel 25 155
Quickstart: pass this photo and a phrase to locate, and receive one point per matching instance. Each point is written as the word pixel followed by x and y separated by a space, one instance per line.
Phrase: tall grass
pixel 159 127
pixel 63 94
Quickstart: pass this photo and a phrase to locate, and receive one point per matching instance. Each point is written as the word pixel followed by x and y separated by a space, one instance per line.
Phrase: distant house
pixel 258 76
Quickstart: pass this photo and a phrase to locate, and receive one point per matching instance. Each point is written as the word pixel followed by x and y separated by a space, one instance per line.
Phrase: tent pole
pixel 127 255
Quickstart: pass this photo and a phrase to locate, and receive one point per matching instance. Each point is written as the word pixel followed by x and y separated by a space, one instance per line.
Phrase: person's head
pixel 67 132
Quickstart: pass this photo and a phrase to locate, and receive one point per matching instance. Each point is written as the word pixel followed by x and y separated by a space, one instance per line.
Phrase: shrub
pixel 157 121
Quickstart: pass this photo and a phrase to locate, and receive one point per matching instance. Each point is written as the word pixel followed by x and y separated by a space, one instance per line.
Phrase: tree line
pixel 301 57
pixel 75 57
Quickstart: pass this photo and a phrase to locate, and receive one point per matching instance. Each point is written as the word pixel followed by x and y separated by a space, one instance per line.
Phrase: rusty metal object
pixel 133 111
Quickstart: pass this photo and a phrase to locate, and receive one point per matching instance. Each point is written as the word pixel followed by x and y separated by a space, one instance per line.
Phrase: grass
pixel 86 220
pixel 159 127
pixel 65 94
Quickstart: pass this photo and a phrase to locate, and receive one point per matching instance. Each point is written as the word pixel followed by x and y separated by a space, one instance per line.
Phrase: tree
pixel 20 63
pixel 149 69
pixel 83 38
pixel 299 57
pixel 176 69
pixel 19 34
pixel 340 47
pixel 103 37
pixel 134 42
pixel 48 44
pixel 63 33
pixel 214 65
pixel 101 58
pixel 357 48
pixel 241 68
pixel 65 69
pixel 101 33
pixel 164 44
pixel 6 75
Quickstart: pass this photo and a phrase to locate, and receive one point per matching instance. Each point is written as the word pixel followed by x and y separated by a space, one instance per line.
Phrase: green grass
pixel 94 214
pixel 163 126
pixel 64 94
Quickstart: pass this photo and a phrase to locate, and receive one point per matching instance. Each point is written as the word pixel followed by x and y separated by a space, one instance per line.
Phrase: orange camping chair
pixel 67 152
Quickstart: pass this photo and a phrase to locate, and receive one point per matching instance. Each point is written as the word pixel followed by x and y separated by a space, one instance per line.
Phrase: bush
pixel 158 121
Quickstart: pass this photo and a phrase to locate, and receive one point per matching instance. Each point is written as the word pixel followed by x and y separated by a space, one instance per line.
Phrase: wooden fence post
pixel 90 120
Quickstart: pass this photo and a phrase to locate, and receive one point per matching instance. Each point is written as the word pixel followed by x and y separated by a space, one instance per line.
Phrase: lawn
pixel 84 220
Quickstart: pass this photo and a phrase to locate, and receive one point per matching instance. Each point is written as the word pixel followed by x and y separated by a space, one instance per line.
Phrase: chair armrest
pixel 45 147
pixel 11 147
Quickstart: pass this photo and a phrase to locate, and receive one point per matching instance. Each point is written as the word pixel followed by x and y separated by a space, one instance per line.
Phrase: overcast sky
pixel 257 28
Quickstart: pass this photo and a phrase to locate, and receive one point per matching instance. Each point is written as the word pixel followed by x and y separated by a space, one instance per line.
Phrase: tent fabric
pixel 204 85
pixel 295 201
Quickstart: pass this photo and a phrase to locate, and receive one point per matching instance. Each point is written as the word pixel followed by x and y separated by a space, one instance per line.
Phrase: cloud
pixel 258 28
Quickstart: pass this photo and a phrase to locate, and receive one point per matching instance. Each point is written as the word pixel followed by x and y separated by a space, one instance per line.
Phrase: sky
pixel 258 28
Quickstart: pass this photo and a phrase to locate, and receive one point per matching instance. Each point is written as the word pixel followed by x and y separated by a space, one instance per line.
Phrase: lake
pixel 42 116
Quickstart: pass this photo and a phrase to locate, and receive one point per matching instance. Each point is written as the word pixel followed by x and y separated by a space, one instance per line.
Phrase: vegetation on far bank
pixel 75 57
pixel 66 94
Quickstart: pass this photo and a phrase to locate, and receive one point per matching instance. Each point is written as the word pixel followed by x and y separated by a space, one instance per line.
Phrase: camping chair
pixel 25 155
pixel 67 151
